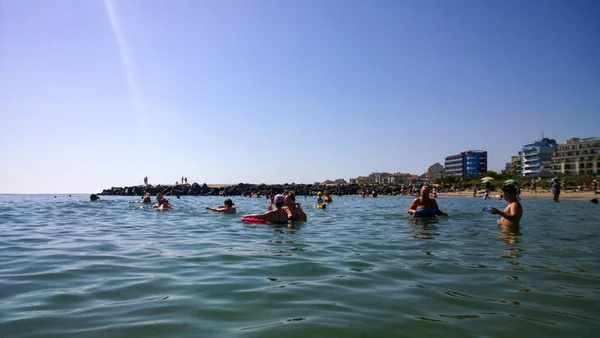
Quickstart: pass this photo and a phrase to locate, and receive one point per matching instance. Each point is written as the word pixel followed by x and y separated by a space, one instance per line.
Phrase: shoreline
pixel 244 189
pixel 528 194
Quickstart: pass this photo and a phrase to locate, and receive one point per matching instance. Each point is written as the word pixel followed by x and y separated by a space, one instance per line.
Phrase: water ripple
pixel 360 268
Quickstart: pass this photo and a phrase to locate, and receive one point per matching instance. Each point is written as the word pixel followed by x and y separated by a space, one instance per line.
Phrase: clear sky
pixel 96 93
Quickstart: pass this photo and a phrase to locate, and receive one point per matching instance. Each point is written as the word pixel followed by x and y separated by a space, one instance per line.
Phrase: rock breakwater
pixel 245 189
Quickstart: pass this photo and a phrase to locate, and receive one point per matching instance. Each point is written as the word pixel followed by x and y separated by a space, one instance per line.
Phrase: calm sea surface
pixel 360 268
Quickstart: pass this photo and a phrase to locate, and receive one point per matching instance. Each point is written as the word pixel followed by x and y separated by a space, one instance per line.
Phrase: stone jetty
pixel 245 189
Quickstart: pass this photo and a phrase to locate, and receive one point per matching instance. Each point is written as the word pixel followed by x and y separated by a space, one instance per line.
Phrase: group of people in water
pixel 426 206
pixel 423 206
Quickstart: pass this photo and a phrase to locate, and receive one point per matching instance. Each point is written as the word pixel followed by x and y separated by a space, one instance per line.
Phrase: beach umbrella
pixel 487 178
pixel 510 180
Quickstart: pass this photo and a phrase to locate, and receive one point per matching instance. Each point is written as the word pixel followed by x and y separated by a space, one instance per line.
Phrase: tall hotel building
pixel 536 158
pixel 466 163
pixel 577 156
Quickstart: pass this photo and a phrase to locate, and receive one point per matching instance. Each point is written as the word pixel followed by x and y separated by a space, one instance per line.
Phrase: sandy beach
pixel 527 194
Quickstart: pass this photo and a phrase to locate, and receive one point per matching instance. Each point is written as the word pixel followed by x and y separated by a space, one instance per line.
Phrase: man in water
pixel 228 207
pixel 511 216
pixel 425 206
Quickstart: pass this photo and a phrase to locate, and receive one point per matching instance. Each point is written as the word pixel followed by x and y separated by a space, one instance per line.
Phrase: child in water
pixel 511 216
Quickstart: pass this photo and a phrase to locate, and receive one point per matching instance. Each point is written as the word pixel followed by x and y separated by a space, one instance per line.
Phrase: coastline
pixel 245 189
pixel 528 194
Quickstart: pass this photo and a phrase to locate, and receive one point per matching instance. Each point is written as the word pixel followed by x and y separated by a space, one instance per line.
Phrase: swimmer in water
pixel 425 206
pixel 293 209
pixel 319 199
pixel 328 198
pixel 511 216
pixel 159 197
pixel 163 204
pixel 228 207
pixel 277 216
pixel 93 197
pixel 146 198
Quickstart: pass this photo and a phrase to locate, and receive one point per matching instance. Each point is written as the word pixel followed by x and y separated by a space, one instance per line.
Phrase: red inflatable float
pixel 253 220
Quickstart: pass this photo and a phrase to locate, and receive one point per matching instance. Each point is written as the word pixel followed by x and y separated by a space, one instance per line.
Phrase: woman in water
pixel 228 207
pixel 277 216
pixel 293 209
pixel 425 206
pixel 328 198
pixel 319 199
pixel 146 198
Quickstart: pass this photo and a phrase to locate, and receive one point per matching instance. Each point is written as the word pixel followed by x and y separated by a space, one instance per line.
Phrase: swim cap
pixel 279 198
pixel 319 193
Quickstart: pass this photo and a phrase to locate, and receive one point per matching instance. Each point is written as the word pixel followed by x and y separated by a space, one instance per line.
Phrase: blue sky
pixel 96 93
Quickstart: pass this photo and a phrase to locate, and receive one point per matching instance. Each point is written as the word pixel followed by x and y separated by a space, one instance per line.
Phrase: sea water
pixel 360 268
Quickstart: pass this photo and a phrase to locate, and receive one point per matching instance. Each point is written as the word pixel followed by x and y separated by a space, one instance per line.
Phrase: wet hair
pixel 229 202
pixel 93 197
pixel 279 205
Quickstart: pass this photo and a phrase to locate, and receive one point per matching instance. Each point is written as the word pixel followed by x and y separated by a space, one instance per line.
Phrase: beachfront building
pixel 514 166
pixel 536 158
pixel 577 156
pixel 435 171
pixel 379 177
pixel 471 162
pixel 359 180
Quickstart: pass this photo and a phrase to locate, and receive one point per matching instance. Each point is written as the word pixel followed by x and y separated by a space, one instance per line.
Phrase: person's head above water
pixel 228 202
pixel 279 199
pixel 290 197
pixel 93 197
pixel 509 191
pixel 595 200
pixel 164 200
pixel 425 191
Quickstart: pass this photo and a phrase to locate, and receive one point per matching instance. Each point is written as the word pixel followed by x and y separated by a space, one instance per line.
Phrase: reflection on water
pixel 361 268
pixel 423 228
